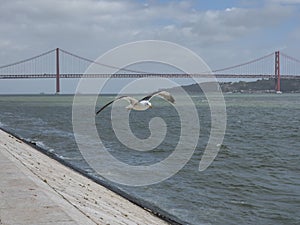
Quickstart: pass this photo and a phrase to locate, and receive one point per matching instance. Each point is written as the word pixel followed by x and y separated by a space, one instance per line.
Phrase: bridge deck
pixel 129 75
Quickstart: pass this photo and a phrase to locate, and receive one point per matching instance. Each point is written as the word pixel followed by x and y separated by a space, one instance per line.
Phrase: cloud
pixel 87 26
pixel 285 1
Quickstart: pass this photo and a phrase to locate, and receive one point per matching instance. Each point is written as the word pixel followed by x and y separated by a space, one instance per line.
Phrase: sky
pixel 222 32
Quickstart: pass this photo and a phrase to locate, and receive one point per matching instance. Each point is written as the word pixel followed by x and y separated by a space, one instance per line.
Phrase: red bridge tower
pixel 57 72
pixel 277 71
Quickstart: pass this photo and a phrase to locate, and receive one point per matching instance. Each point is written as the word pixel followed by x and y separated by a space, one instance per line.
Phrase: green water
pixel 253 180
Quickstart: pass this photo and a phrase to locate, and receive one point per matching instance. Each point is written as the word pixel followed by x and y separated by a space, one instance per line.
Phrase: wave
pixel 39 144
pixel 2 124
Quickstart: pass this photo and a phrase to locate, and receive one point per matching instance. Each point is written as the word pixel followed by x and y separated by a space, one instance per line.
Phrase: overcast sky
pixel 222 32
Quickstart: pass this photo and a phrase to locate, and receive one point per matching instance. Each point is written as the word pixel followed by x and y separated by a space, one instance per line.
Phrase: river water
pixel 255 178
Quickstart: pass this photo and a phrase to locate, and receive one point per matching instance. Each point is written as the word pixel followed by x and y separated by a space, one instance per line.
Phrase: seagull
pixel 142 104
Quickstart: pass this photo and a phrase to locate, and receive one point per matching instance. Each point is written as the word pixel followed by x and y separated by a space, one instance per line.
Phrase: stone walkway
pixel 35 189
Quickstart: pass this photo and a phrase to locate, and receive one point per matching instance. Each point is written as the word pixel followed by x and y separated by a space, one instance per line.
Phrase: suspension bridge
pixel 59 63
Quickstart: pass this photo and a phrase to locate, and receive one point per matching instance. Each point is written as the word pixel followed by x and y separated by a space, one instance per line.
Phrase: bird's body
pixel 142 104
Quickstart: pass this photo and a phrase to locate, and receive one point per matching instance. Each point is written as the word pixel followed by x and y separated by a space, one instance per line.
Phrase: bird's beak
pixel 150 106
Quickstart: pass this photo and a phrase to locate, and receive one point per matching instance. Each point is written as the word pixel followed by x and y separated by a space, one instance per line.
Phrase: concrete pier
pixel 36 189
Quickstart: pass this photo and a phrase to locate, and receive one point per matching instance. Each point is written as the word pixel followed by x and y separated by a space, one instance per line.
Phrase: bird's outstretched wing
pixel 131 100
pixel 163 94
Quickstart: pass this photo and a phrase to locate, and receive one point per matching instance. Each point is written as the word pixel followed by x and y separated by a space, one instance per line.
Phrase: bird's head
pixel 149 104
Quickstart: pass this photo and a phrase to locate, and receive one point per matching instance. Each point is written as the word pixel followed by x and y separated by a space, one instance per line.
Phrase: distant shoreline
pixel 263 86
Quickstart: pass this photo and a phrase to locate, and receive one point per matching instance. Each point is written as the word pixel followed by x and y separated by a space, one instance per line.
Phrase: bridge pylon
pixel 277 71
pixel 57 72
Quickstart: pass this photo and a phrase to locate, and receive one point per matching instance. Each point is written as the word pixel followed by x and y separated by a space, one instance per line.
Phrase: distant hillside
pixel 265 85
pixel 262 85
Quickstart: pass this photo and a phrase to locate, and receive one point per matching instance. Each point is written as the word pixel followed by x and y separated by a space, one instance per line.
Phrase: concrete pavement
pixel 35 189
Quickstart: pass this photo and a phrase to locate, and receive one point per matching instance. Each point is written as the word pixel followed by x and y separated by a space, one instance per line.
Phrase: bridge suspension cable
pixel 102 64
pixel 39 64
pixel 265 68
pixel 29 59
pixel 290 66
